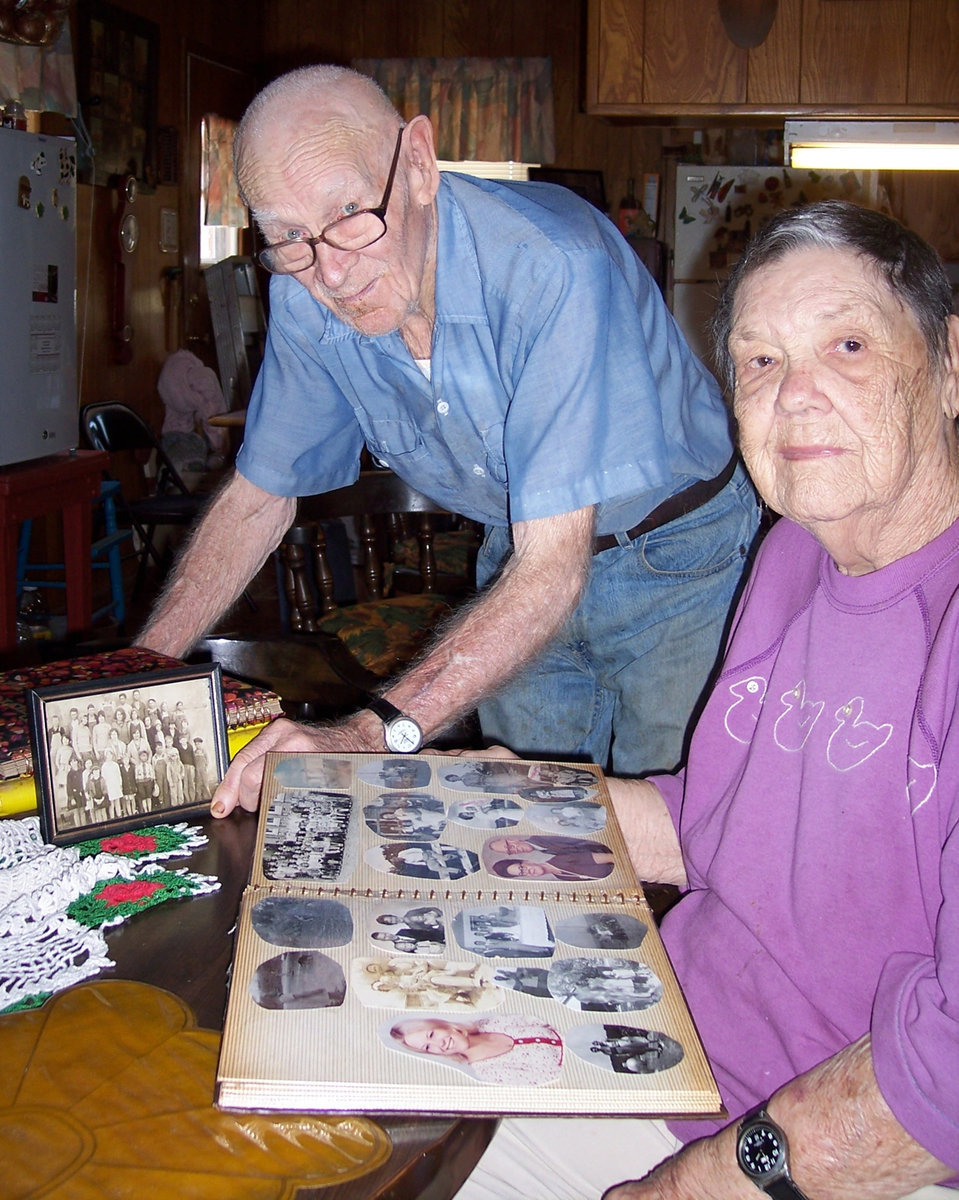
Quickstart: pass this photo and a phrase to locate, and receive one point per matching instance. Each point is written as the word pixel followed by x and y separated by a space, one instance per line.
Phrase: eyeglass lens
pixel 354 232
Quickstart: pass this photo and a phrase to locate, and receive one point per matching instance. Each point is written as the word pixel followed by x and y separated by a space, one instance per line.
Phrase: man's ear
pixel 421 155
pixel 950 384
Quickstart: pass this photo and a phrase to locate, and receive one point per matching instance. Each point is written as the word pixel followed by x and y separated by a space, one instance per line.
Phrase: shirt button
pixel 478 470
pixel 442 408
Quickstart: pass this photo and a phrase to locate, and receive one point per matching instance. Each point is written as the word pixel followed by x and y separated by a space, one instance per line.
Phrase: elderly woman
pixel 815 827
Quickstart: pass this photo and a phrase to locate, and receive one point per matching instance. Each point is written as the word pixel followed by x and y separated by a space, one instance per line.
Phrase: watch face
pixel 403 736
pixel 761 1151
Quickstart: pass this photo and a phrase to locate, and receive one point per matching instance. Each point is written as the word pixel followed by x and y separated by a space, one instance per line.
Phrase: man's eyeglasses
pixel 355 232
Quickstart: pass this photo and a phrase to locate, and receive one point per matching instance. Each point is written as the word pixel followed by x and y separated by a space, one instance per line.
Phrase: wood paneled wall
pixel 305 31
pixel 179 23
pixel 279 34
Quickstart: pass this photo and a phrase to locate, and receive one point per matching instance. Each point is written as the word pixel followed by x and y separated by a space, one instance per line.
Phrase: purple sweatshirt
pixel 819 819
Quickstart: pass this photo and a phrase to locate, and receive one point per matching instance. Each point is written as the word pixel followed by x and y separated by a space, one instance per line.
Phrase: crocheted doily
pixel 55 901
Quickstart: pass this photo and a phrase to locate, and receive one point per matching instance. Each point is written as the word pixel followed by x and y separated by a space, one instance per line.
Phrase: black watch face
pixel 761 1151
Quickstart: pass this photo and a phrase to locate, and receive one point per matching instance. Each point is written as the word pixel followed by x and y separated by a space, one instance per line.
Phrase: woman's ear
pixel 950 384
pixel 421 154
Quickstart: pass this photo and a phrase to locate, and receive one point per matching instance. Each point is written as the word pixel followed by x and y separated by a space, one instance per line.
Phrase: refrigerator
pixel 38 358
pixel 712 211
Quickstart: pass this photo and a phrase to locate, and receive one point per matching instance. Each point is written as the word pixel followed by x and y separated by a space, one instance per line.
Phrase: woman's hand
pixel 489 752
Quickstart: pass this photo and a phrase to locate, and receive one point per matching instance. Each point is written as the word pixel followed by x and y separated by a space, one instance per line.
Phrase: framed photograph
pixel 116 86
pixel 588 184
pixel 117 754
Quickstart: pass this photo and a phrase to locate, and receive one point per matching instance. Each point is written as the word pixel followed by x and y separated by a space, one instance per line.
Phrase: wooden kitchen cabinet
pixel 669 59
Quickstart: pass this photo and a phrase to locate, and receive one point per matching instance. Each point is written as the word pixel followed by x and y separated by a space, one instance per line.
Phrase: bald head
pixel 328 101
pixel 323 144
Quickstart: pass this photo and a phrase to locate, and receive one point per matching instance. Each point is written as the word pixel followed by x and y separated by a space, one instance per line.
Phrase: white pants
pixel 577 1158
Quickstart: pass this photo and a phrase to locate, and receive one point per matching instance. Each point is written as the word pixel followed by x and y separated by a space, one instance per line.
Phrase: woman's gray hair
pixel 909 265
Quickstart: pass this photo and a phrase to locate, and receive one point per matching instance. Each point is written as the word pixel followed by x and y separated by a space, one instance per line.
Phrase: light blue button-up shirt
pixel 558 378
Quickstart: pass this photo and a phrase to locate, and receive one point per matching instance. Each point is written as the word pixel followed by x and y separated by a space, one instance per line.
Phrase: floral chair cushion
pixel 384 635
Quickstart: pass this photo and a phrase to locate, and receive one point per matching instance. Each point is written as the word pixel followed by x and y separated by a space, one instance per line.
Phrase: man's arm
pixel 242 525
pixel 485 642
pixel 844 1144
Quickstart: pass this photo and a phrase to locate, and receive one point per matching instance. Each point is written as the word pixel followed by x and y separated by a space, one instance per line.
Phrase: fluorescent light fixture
pixel 873 145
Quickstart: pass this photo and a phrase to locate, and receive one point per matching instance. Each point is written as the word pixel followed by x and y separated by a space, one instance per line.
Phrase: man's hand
pixel 241 784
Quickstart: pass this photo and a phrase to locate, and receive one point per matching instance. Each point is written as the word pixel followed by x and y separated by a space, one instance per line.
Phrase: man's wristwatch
pixel 401 733
pixel 762 1152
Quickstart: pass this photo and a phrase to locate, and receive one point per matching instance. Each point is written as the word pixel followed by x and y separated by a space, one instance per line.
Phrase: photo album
pixel 451 935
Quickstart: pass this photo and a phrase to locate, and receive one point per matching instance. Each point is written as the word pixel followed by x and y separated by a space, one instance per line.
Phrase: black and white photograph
pixel 490 775
pixel 602 931
pixel 304 922
pixel 604 984
pixel 308 836
pixel 532 981
pixel 495 813
pixel 624 1048
pixel 299 979
pixel 423 860
pixel 512 777
pixel 146 748
pixel 400 773
pixel 570 816
pixel 410 929
pixel 504 931
pixel 415 816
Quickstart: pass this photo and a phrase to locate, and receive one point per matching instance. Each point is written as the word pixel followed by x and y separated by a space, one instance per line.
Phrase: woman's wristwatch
pixel 762 1152
pixel 401 733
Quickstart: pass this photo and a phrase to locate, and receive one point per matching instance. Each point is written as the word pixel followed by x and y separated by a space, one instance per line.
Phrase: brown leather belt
pixel 679 505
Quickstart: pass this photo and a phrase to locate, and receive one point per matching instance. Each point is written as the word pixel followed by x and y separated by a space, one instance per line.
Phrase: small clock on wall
pixel 125 237
pixel 129 233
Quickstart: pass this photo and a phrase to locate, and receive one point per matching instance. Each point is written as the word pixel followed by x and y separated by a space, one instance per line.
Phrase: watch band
pixel 383 709
pixel 784 1189
pixel 401 733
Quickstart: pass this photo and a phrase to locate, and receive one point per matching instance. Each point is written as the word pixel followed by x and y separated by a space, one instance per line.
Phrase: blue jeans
pixel 620 682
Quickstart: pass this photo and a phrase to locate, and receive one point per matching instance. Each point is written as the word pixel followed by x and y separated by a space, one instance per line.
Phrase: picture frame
pixel 117 90
pixel 588 184
pixel 137 723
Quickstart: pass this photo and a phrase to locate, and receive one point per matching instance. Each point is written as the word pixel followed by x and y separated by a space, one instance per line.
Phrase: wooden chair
pixel 399 608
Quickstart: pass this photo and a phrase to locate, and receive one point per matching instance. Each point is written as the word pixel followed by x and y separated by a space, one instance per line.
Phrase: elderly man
pixel 815 826
pixel 502 349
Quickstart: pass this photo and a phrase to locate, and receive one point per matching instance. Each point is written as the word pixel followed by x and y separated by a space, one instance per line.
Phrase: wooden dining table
pixel 186 948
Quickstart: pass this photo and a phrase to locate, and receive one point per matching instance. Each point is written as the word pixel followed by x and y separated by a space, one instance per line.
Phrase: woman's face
pixel 435 1037
pixel 527 870
pixel 839 412
pixel 510 845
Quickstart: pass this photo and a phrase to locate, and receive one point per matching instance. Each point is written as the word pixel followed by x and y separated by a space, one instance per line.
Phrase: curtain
pixel 221 200
pixel 490 109
pixel 40 77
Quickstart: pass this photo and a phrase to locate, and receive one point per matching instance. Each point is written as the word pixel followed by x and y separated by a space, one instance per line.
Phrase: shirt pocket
pixel 495 460
pixel 392 440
